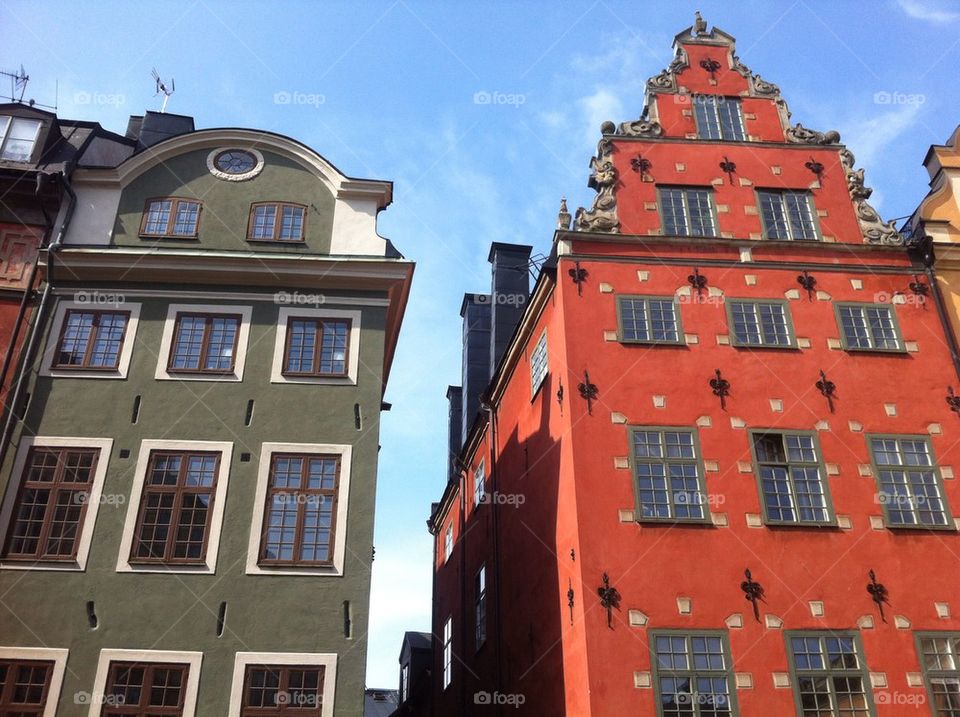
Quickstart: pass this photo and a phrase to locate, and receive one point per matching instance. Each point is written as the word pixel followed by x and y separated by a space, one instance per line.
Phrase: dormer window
pixel 18 137
pixel 276 221
pixel 171 217
pixel 718 117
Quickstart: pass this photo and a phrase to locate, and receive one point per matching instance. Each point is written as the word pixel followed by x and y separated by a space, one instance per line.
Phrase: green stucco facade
pixel 178 611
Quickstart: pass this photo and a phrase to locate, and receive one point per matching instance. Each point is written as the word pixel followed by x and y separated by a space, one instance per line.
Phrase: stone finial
pixel 563 217
pixel 699 24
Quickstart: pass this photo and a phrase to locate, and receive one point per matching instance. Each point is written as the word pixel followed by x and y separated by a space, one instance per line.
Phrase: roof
pixel 418 640
pixel 379 703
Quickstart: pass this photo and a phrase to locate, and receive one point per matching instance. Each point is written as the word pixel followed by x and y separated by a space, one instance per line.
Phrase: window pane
pixel 648 320
pixel 700 212
pixel 109 340
pixel 185 223
pixel 801 220
pixel 158 217
pixel 264 221
pixel 333 351
pixel 291 224
pixel 774 216
pixel 731 121
pixel 20 140
pixel 302 348
pixel 538 363
pixel 674 216
pixel 707 119
pixel 76 333
pixel 829 676
pixel 667 475
pixel 220 347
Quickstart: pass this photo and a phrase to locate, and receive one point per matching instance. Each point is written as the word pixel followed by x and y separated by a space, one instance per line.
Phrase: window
pixel 447 652
pixel 667 472
pixel 448 543
pixel 479 485
pixel 693 674
pixel 91 339
pixel 51 503
pixel 275 684
pixel 868 327
pixel 18 136
pixel 940 659
pixel 316 347
pixel 171 217
pixel 301 510
pixel 404 682
pixel 718 117
pixel 30 680
pixel 648 319
pixel 830 679
pixel 787 215
pixel 760 323
pixel 686 212
pixel 25 686
pixel 204 343
pixel 909 488
pixel 175 508
pixel 480 606
pixel 283 690
pixel 790 477
pixel 276 221
pixel 538 363
pixel 145 689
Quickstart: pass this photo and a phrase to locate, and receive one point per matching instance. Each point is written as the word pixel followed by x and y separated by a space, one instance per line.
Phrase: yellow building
pixel 939 218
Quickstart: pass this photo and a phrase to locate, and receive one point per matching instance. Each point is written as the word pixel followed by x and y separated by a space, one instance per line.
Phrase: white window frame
pixel 105 446
pixel 480 608
pixel 479 483
pixel 193 660
pixel 209 565
pixel 448 542
pixel 448 652
pixel 166 341
pixel 48 654
pixel 537 378
pixel 345 452
pixel 56 329
pixel 280 345
pixel 311 659
pixel 5 135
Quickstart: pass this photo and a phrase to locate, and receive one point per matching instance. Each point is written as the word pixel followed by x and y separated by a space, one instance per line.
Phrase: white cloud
pixel 869 138
pixel 928 11
pixel 597 108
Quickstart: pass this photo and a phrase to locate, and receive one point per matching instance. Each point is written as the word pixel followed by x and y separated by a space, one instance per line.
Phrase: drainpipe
pixel 495 505
pixel 434 531
pixel 34 333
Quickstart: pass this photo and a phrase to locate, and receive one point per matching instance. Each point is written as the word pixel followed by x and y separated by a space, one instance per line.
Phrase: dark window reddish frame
pixel 321 328
pixel 205 343
pixel 168 230
pixel 280 690
pixel 278 222
pixel 166 490
pixel 293 502
pixel 24 686
pixel 145 689
pixel 51 504
pixel 92 339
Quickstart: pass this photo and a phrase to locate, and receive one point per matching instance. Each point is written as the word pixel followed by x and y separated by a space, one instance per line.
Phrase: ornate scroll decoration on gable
pixel 875 230
pixel 602 216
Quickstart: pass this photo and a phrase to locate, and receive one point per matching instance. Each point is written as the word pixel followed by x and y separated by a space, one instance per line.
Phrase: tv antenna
pixel 161 87
pixel 18 83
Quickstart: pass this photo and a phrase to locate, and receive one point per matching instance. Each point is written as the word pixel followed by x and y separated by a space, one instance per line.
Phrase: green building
pixel 188 494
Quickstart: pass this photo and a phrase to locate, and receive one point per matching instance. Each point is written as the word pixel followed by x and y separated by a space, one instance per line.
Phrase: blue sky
pixel 388 90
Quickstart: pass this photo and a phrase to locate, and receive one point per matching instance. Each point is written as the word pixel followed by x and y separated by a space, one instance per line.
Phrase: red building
pixel 712 472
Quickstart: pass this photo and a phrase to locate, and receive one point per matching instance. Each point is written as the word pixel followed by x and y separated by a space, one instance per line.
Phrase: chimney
pixel 475 311
pixel 510 290
pixel 153 127
pixel 454 428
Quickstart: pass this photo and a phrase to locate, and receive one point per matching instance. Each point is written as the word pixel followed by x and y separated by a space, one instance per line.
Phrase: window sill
pixel 67 566
pixel 641 342
pixel 318 380
pixel 947 528
pixel 705 521
pixel 112 373
pixel 282 242
pixel 331 571
pixel 855 350
pixel 766 347
pixel 186 376
pixel 167 568
pixel 175 237
pixel 829 524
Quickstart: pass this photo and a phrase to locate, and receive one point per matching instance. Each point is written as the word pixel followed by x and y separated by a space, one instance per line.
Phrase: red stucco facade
pixel 563 475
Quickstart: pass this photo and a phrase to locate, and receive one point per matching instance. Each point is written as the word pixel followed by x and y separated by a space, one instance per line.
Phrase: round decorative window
pixel 235 161
pixel 235 165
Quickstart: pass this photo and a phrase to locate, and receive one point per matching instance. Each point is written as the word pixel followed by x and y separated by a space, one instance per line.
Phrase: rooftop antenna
pixel 161 87
pixel 18 83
